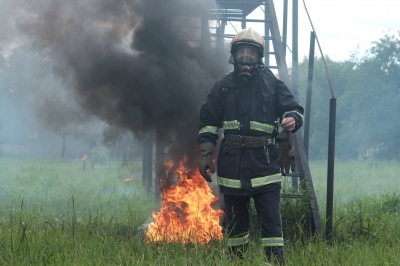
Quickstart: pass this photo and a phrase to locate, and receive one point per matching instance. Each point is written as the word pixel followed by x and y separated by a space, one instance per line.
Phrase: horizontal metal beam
pixel 227 18
pixel 230 36
pixel 291 196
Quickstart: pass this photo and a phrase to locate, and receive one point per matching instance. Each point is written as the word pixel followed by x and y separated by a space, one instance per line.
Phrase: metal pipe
pixel 150 163
pixel 243 22
pixel 159 168
pixel 295 49
pixel 309 92
pixel 147 163
pixel 331 142
pixel 227 18
pixel 220 38
pixel 266 34
pixel 331 168
pixel 284 26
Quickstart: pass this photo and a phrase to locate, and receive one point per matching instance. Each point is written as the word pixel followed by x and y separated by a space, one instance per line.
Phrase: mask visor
pixel 246 55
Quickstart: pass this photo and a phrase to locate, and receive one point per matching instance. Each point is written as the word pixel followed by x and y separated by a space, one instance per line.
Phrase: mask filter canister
pixel 244 73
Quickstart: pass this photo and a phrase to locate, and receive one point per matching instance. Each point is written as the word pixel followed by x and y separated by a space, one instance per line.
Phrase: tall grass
pixel 53 212
pixel 357 179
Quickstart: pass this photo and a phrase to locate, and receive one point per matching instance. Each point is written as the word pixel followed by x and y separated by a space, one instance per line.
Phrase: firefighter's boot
pixel 237 251
pixel 275 254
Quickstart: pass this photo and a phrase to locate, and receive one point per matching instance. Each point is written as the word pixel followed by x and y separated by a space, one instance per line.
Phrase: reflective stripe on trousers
pixel 237 241
pixel 272 242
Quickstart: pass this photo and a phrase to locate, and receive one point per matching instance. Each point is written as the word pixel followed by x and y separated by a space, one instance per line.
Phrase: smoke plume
pixel 139 65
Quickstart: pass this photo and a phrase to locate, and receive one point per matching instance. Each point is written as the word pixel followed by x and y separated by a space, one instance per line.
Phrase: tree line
pixel 367 90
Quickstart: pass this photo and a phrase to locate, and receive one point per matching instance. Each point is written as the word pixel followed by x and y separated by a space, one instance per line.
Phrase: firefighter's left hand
pixel 288 123
pixel 286 158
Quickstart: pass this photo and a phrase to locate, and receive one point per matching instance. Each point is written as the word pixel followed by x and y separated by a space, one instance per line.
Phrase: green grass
pixel 54 213
pixel 357 179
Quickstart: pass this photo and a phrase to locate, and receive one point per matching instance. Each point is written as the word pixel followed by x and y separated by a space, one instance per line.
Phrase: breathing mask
pixel 246 58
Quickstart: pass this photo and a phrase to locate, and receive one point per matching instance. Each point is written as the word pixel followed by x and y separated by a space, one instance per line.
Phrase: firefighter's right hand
pixel 205 160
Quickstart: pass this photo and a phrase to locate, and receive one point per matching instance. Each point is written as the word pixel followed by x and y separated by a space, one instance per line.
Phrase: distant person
pixel 84 160
pixel 247 103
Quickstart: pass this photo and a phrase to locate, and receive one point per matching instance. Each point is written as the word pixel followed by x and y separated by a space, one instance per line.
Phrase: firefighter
pixel 247 103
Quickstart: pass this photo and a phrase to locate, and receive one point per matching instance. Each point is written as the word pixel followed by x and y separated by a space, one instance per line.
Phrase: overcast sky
pixel 342 26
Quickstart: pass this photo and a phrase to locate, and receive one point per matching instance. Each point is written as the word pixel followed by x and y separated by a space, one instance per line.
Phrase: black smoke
pixel 137 65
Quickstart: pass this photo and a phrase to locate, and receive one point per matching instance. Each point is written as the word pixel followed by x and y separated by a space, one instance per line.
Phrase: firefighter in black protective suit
pixel 246 103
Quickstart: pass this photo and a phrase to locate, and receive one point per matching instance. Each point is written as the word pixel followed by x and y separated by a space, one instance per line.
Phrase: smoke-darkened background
pixel 136 65
pixel 109 68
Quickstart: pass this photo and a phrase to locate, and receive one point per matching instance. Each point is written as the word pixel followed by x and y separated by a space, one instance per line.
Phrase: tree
pixel 380 72
pixel 320 101
pixel 368 93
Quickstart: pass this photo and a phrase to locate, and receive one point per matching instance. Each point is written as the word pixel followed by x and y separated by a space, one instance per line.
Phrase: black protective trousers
pixel 267 206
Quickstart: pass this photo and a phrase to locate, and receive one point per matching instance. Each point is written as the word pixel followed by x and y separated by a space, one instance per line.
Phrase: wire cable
pixel 320 50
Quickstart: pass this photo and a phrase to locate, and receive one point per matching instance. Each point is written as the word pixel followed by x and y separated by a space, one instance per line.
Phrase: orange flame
pixel 186 215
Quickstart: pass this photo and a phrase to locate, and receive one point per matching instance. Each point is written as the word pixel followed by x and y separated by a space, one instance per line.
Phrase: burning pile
pixel 186 214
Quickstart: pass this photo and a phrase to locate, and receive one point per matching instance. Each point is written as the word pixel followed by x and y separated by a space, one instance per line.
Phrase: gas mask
pixel 246 59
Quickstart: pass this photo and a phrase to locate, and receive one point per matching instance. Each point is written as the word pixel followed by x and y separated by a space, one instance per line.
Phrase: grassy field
pixel 53 212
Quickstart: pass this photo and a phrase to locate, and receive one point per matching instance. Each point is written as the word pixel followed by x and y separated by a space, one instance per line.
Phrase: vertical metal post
pixel 295 66
pixel 147 163
pixel 277 44
pixel 220 45
pixel 205 33
pixel 309 92
pixel 284 26
pixel 331 163
pixel 302 165
pixel 295 49
pixel 64 138
pixel 159 168
pixel 150 161
pixel 266 34
pixel 144 161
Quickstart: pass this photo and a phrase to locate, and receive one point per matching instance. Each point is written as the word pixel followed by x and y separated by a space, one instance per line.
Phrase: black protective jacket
pixel 247 109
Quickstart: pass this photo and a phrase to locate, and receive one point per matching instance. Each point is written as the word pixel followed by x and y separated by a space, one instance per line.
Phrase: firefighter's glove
pixel 286 152
pixel 205 160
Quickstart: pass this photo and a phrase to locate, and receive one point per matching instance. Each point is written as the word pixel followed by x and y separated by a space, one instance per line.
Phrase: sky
pixel 343 27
